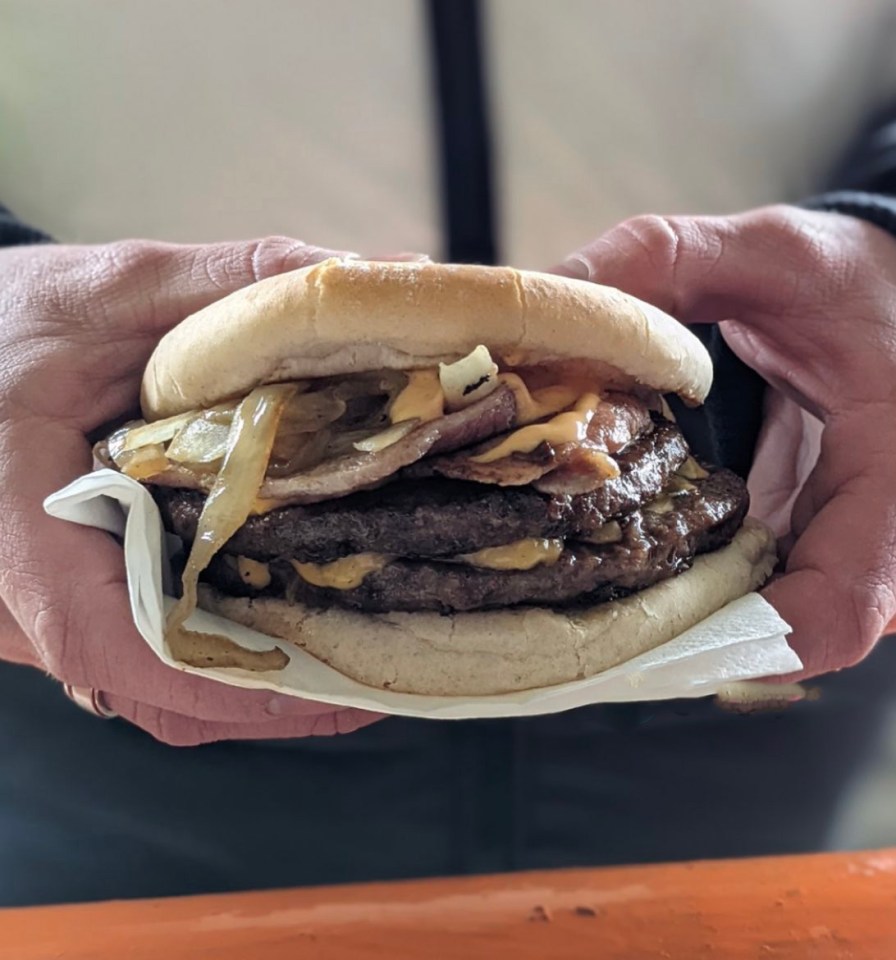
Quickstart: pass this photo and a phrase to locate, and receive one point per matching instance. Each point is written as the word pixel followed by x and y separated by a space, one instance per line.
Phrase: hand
pixel 807 300
pixel 79 324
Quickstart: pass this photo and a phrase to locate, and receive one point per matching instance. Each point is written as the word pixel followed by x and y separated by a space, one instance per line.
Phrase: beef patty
pixel 436 516
pixel 654 546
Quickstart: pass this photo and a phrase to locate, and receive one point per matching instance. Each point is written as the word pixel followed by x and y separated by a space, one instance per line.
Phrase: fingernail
pixel 577 267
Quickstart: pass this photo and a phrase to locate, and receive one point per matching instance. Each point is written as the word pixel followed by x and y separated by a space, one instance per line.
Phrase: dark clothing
pixel 14 233
pixel 95 810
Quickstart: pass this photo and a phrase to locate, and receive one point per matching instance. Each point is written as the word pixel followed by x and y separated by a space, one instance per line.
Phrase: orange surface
pixel 830 906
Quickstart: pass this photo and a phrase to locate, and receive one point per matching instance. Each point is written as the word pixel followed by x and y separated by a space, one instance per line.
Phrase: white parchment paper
pixel 743 641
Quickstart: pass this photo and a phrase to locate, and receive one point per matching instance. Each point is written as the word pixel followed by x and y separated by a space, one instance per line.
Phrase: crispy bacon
pixel 566 468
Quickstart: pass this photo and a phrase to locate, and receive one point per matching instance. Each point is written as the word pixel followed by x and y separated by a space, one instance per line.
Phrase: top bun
pixel 349 316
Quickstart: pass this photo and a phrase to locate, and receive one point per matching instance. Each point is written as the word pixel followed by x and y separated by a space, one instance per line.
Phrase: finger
pixel 181 731
pixel 786 452
pixel 65 584
pixel 148 288
pixel 700 268
pixel 177 280
pixel 839 587
pixel 15 647
pixel 753 271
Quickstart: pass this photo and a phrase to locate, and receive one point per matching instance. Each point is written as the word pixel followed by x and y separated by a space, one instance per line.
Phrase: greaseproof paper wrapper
pixel 743 641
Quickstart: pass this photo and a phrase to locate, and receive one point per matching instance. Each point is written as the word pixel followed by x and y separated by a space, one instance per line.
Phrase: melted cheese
pixel 344 574
pixel 422 399
pixel 539 403
pixel 568 427
pixel 254 573
pixel 691 470
pixel 609 532
pixel 522 555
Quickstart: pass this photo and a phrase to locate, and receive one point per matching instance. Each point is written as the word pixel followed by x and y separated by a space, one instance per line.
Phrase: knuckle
pixel 226 266
pixel 176 731
pixel 796 235
pixel 52 627
pixel 659 238
pixel 273 255
pixel 169 728
pixel 669 242
pixel 118 280
pixel 872 604
pixel 131 261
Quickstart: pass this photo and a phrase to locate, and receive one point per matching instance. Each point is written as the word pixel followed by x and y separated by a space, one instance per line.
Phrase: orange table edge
pixel 822 906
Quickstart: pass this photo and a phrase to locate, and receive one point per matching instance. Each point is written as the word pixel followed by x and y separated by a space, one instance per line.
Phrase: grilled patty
pixel 654 546
pixel 439 517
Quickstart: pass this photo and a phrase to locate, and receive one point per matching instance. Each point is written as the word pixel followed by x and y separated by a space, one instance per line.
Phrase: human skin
pixel 808 300
pixel 79 324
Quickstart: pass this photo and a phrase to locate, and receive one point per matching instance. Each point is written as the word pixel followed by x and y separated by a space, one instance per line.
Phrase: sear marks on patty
pixel 654 547
pixel 439 517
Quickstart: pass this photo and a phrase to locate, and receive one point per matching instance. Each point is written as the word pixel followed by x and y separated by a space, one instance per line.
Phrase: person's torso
pixel 209 120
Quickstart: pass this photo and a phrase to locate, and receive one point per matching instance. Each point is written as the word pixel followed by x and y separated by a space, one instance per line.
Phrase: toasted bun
pixel 349 316
pixel 473 654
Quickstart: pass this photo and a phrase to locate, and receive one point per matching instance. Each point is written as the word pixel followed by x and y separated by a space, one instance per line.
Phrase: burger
pixel 439 479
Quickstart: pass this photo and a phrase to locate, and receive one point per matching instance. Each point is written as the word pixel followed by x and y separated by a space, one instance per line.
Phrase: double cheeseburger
pixel 448 480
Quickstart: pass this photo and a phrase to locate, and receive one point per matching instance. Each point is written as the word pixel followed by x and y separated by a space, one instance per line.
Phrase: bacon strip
pixel 567 468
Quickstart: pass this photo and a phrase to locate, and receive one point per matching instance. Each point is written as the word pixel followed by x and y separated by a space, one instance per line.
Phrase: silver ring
pixel 90 700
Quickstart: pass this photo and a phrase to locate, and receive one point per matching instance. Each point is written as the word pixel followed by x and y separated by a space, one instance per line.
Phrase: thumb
pixel 166 282
pixel 706 269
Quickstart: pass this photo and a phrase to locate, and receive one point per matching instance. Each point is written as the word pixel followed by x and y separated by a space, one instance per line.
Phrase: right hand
pixel 805 299
pixel 79 324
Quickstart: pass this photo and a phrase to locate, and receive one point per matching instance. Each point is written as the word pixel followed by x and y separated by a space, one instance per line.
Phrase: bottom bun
pixel 499 651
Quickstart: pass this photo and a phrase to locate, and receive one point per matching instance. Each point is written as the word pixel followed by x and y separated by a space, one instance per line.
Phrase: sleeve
pixel 864 182
pixel 14 233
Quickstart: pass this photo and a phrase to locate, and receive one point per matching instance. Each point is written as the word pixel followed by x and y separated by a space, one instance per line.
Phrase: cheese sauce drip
pixel 569 427
pixel 538 404
pixel 522 555
pixel 344 574
pixel 253 572
pixel 422 399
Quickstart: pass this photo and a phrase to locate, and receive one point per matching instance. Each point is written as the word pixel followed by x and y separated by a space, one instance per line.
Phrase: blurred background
pixel 200 120
pixel 868 814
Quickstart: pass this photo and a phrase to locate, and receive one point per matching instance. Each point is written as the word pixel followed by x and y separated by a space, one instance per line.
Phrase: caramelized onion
pixel 691 470
pixel 143 463
pixel 385 438
pixel 200 441
pixel 236 487
pixel 294 453
pixel 609 532
pixel 159 431
pixel 308 412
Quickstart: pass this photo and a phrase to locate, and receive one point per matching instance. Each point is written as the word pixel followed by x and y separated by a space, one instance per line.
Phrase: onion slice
pixel 233 494
pixel 469 379
pixel 200 441
pixel 385 438
pixel 143 463
pixel 159 431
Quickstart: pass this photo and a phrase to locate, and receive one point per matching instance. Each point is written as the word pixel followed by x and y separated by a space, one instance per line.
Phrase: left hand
pixel 79 324
pixel 808 300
